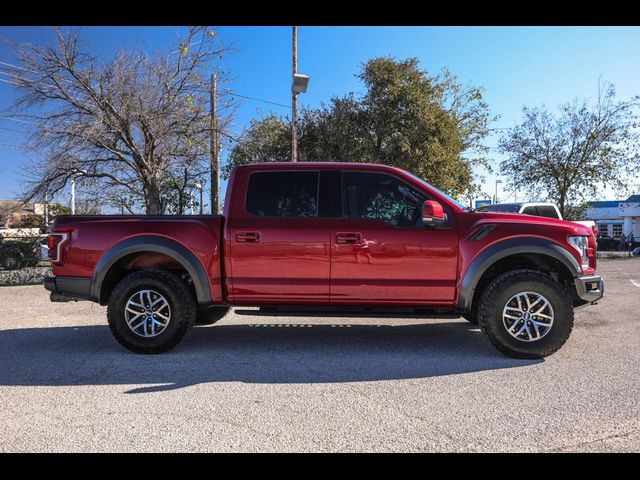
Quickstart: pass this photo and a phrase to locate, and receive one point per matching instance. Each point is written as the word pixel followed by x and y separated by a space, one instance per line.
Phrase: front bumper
pixel 589 288
pixel 68 289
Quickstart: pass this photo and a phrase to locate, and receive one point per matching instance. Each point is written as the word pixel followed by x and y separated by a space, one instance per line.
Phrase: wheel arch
pixel 530 252
pixel 149 244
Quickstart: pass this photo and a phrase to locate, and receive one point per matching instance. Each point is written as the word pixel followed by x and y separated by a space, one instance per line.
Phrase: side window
pixel 283 194
pixel 530 211
pixel 603 229
pixel 547 211
pixel 382 197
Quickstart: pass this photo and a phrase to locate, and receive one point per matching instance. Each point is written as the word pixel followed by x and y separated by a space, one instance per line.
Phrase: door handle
pixel 349 238
pixel 248 237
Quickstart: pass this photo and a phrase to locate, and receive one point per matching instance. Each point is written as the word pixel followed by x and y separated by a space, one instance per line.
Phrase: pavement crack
pixel 591 442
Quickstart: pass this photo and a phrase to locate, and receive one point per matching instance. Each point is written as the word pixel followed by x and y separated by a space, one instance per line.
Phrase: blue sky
pixel 515 66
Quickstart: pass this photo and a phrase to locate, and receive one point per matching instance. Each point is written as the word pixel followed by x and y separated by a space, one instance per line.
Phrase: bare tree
pixel 130 125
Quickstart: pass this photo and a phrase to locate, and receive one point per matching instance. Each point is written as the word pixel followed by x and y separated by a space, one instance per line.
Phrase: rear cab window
pixel 547 211
pixel 283 194
pixel 530 211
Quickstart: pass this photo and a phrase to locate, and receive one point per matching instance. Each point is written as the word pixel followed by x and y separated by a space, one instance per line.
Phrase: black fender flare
pixel 152 243
pixel 506 248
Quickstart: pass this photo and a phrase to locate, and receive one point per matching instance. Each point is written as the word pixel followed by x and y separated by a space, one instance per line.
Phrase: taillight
pixel 54 243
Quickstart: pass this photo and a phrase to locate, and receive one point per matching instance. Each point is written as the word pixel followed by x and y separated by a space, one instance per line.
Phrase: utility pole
pixel 294 100
pixel 214 146
pixel 46 208
pixel 73 195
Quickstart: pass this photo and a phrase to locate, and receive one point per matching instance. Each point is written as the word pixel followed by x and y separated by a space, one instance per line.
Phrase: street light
pixel 300 83
pixel 496 197
pixel 77 173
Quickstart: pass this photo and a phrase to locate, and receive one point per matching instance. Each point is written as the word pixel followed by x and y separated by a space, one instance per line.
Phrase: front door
pixel 381 252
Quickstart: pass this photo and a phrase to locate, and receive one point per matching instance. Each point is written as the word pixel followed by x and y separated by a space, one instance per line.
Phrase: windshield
pixel 440 192
pixel 501 207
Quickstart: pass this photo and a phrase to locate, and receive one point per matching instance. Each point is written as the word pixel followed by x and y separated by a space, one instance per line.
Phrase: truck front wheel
pixel 150 311
pixel 526 314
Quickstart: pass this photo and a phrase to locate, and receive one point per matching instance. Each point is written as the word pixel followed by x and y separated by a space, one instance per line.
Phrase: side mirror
pixel 432 214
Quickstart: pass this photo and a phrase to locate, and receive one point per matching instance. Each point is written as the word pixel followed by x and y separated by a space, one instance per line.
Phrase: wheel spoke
pixel 535 327
pixel 540 324
pixel 157 300
pixel 161 307
pixel 524 325
pixel 537 300
pixel 138 325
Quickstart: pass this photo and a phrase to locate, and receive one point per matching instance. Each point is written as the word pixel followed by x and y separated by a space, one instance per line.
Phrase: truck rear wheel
pixel 526 314
pixel 150 311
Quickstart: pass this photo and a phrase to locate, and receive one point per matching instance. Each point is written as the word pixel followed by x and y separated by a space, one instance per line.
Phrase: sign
pixel 482 202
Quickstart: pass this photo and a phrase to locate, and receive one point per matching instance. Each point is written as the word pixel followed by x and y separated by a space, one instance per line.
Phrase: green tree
pixel 573 154
pixel 266 140
pixel 429 125
pixel 32 221
pixel 58 209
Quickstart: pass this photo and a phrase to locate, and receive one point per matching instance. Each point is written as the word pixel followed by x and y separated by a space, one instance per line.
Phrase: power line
pixel 258 99
pixel 7 81
pixel 10 145
pixel 12 130
pixel 226 91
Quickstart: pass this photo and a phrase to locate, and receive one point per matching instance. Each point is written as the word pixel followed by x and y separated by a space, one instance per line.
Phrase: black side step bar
pixel 349 312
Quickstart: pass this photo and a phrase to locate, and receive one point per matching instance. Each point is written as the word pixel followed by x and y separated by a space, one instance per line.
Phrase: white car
pixel 549 210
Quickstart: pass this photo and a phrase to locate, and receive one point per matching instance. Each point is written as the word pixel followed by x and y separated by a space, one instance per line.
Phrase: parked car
pixel 16 253
pixel 329 239
pixel 549 210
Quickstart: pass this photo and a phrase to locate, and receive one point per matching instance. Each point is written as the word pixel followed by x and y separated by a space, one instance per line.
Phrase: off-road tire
pixel 11 259
pixel 211 315
pixel 501 289
pixel 181 302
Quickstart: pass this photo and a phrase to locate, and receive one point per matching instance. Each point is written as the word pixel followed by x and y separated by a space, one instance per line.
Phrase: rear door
pixel 382 254
pixel 279 245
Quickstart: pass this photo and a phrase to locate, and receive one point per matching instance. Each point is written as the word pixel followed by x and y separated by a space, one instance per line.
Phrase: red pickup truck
pixel 329 239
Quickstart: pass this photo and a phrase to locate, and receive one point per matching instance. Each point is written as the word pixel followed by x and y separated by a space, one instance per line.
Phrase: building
pixel 616 217
pixel 13 213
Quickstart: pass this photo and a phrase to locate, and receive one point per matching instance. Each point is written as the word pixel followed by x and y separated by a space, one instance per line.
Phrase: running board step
pixel 348 312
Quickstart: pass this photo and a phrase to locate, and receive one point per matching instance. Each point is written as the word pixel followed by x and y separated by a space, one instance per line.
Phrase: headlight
pixel 580 243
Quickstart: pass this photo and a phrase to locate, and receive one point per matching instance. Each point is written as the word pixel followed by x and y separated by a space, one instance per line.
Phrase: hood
pixel 521 218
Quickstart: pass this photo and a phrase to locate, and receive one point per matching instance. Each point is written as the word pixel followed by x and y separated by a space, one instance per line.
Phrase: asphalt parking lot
pixel 310 384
